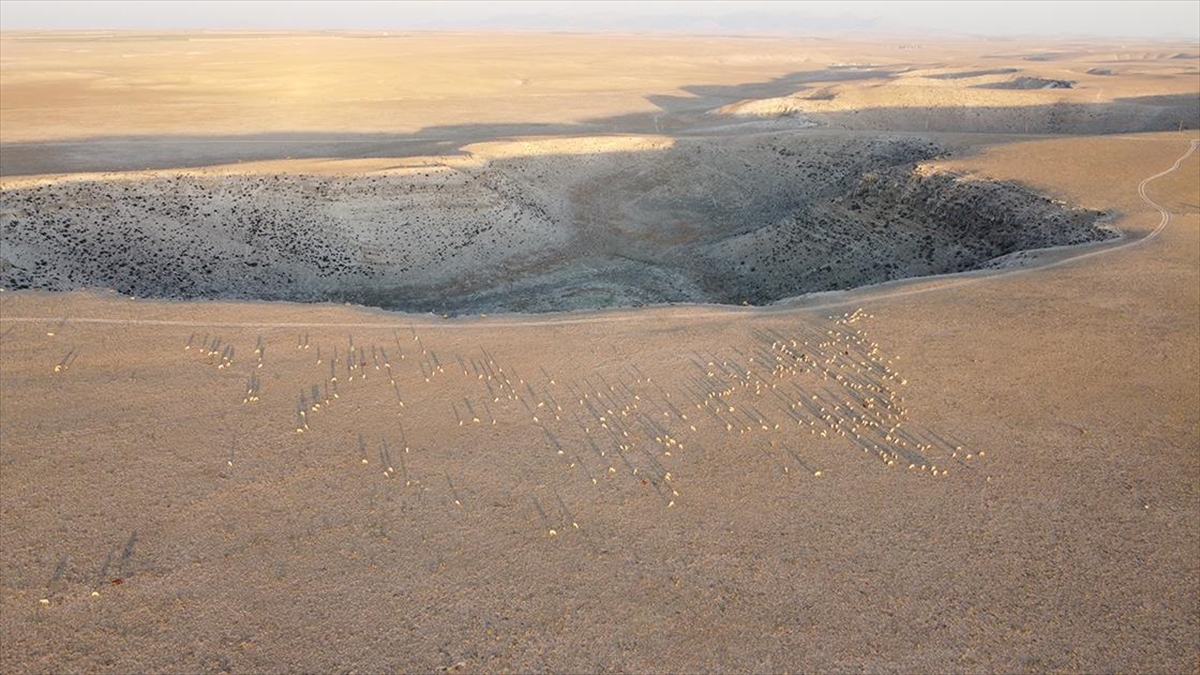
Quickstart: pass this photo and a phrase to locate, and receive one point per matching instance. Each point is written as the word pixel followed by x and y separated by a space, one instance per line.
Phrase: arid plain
pixel 599 459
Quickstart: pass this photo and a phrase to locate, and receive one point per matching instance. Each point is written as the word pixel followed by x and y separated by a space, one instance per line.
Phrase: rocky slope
pixel 738 220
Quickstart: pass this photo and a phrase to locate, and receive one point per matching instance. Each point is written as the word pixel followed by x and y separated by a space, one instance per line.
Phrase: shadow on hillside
pixel 141 152
pixel 1123 115
pixel 677 115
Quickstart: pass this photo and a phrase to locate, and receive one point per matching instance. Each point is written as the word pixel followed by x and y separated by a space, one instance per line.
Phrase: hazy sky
pixel 1117 19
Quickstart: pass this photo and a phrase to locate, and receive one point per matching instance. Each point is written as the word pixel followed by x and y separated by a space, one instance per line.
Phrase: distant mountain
pixel 748 22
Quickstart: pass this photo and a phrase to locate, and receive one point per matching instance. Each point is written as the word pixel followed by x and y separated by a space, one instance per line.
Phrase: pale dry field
pixel 996 471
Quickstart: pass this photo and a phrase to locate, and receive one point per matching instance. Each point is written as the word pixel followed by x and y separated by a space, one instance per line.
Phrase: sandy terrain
pixel 99 102
pixel 994 471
